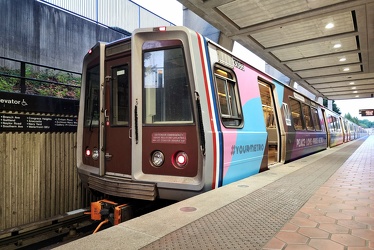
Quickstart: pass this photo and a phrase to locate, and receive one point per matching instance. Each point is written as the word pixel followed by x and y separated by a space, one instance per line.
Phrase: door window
pixel 120 96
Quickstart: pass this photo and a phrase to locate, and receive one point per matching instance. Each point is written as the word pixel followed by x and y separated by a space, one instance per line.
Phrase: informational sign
pixel 169 137
pixel 367 112
pixel 31 113
pixel 38 104
pixel 37 123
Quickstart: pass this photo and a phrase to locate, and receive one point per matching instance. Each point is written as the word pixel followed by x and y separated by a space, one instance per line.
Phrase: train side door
pixel 270 121
pixel 117 132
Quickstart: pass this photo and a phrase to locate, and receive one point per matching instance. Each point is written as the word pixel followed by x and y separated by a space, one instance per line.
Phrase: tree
pixel 335 108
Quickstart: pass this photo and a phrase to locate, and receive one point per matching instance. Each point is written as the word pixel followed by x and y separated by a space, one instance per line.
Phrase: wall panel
pixel 38 177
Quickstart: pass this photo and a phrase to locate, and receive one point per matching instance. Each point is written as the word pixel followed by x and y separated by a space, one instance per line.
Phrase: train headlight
pixel 95 154
pixel 157 158
pixel 180 159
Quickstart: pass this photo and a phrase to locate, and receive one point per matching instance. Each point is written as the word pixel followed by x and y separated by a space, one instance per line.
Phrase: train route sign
pixel 366 112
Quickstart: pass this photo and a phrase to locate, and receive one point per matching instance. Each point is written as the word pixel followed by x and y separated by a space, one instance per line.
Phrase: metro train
pixel 169 114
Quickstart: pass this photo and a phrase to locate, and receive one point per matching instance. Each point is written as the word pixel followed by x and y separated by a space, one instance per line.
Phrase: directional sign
pixel 367 112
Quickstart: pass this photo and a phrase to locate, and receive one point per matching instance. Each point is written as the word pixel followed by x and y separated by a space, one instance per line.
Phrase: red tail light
pixel 180 159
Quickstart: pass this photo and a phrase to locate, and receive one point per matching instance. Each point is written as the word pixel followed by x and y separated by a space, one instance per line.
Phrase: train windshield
pixel 92 114
pixel 166 92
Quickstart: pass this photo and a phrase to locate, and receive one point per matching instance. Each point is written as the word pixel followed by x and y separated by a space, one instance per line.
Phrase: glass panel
pixel 267 106
pixel 296 115
pixel 307 117
pixel 92 114
pixel 166 92
pixel 222 96
pixel 228 98
pixel 316 120
pixel 232 99
pixel 120 95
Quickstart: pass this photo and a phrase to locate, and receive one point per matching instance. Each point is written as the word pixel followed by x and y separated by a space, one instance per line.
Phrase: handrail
pixel 23 78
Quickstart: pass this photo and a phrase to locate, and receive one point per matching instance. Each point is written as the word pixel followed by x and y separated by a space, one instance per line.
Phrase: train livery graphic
pixel 170 114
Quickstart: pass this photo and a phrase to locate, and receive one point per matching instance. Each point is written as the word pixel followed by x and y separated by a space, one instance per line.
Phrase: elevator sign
pixel 367 112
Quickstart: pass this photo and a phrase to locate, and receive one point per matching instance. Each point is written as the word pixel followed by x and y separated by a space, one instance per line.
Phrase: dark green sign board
pixel 30 113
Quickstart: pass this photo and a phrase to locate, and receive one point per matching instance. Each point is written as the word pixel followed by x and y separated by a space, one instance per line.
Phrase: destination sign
pixel 367 112
pixel 37 123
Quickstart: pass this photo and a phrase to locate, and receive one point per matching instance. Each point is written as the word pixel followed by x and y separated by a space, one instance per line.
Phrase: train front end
pixel 138 129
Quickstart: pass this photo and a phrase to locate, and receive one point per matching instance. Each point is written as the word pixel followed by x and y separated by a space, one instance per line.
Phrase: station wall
pixel 35 32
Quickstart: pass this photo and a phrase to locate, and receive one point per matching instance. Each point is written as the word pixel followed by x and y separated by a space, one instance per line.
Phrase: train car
pixel 305 131
pixel 335 135
pixel 169 114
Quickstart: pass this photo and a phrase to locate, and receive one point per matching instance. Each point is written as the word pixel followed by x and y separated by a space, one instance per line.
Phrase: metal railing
pixel 38 79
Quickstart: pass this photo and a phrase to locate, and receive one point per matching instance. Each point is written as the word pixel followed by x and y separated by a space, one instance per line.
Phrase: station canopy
pixel 327 46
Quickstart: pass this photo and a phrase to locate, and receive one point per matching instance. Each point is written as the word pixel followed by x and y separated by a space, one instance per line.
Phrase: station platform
pixel 323 201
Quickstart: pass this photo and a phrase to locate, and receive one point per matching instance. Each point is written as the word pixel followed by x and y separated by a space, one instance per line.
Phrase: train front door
pixel 117 132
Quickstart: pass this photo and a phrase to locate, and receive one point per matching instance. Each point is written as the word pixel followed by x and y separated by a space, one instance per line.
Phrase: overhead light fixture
pixel 343 59
pixel 353 87
pixel 346 69
pixel 357 96
pixel 329 26
pixel 337 46
pixel 354 92
pixel 351 83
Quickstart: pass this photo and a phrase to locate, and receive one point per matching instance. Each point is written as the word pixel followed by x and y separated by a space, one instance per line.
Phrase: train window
pixel 332 121
pixel 296 115
pixel 166 90
pixel 307 117
pixel 287 114
pixel 92 110
pixel 316 120
pixel 120 95
pixel 228 98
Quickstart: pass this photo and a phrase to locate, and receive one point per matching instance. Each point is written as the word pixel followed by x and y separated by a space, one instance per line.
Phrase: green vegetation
pixel 334 107
pixel 363 123
pixel 56 83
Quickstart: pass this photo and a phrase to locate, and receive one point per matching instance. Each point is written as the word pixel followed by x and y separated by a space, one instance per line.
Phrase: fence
pixel 38 177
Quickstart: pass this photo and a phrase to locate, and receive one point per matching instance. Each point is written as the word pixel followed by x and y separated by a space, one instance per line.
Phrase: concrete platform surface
pixel 323 201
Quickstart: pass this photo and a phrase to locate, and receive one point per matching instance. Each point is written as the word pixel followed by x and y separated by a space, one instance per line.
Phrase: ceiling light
pixel 338 45
pixel 351 83
pixel 353 87
pixel 354 92
pixel 329 26
pixel 346 69
pixel 357 96
pixel 343 59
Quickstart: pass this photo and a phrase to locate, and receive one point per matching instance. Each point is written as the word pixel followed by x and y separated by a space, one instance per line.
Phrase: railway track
pixel 61 229
pixel 48 232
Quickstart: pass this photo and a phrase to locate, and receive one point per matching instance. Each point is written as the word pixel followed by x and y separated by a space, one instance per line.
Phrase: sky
pixel 172 11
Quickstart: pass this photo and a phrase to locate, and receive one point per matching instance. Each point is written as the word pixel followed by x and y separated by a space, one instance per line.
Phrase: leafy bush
pixel 53 87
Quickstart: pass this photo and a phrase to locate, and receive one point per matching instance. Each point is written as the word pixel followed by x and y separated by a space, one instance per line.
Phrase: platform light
pixel 343 59
pixel 354 92
pixel 346 69
pixel 353 87
pixel 351 83
pixel 338 45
